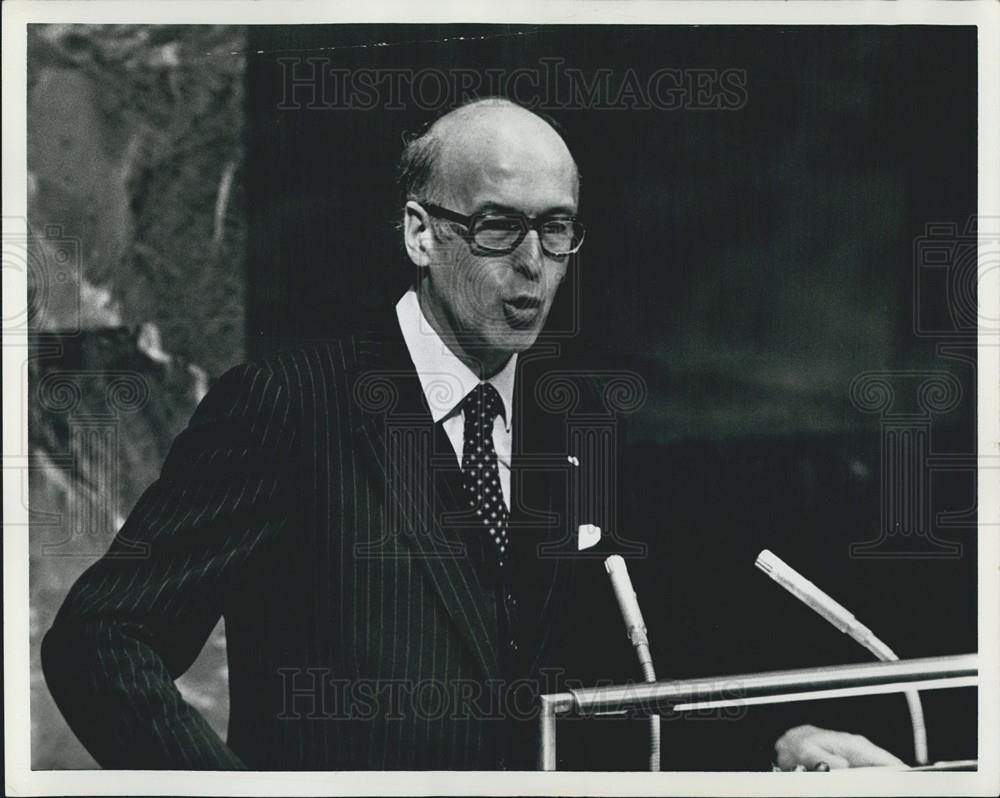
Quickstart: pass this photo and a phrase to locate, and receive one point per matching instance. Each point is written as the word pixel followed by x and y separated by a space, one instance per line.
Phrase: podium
pixel 772 687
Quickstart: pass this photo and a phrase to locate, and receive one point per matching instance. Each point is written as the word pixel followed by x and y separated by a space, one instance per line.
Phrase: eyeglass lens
pixel 502 233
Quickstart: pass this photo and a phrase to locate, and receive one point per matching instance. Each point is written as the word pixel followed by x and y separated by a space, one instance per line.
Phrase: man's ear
pixel 417 234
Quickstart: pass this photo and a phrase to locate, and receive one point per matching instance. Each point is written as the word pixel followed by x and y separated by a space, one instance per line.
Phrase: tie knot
pixel 483 404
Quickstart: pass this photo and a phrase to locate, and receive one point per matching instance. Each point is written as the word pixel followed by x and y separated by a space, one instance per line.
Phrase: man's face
pixel 494 306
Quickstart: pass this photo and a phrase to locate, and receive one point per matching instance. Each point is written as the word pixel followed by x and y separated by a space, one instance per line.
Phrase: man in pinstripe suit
pixel 384 521
pixel 383 608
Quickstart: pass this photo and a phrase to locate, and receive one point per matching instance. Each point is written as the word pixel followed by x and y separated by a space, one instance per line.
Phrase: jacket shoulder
pixel 307 365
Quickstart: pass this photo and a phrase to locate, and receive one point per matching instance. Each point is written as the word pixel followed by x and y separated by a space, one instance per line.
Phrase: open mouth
pixel 525 302
pixel 522 311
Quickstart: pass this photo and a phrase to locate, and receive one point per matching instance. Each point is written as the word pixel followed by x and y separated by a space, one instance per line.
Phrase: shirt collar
pixel 445 379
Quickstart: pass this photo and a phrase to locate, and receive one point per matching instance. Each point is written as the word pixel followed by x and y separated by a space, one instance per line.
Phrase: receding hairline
pixel 479 109
pixel 420 165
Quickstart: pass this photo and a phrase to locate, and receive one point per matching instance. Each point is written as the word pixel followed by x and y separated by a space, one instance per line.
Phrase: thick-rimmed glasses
pixel 496 233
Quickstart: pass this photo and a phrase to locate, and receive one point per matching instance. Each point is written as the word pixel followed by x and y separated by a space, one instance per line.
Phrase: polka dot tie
pixel 480 474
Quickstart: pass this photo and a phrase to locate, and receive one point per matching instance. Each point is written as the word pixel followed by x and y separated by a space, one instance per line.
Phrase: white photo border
pixel 21 780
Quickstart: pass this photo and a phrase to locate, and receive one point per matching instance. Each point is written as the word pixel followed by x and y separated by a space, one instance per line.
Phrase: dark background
pixel 747 264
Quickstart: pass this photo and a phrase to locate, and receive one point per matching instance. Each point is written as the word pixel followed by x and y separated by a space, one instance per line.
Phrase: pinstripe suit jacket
pixel 313 503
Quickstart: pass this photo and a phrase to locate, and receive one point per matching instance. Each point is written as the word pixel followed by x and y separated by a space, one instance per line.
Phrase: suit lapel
pixel 541 512
pixel 398 439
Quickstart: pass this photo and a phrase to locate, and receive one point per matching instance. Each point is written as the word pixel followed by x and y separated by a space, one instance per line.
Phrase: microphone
pixel 838 615
pixel 814 598
pixel 635 626
pixel 635 629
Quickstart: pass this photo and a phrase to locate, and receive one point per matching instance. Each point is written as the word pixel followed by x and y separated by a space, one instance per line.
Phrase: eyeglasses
pixel 493 233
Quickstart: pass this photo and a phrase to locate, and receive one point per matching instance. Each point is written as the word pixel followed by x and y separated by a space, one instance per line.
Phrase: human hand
pixel 812 748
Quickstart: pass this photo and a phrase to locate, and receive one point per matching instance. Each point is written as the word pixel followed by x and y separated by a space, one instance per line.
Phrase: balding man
pixel 367 515
pixel 383 521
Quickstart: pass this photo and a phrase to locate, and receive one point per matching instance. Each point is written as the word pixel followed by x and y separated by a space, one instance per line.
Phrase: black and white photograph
pixel 583 398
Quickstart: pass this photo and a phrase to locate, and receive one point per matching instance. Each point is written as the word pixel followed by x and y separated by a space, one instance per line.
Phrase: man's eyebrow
pixel 495 207
pixel 498 207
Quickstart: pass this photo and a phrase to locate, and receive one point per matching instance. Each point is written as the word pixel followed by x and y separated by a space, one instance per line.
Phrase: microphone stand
pixel 838 615
pixel 635 629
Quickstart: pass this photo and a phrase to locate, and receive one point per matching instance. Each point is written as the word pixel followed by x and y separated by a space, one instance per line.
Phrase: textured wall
pixel 137 292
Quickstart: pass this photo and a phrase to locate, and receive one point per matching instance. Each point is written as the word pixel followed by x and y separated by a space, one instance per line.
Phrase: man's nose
pixel 530 258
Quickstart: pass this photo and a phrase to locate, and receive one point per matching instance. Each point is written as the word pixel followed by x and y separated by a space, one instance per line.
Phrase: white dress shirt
pixel 446 381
